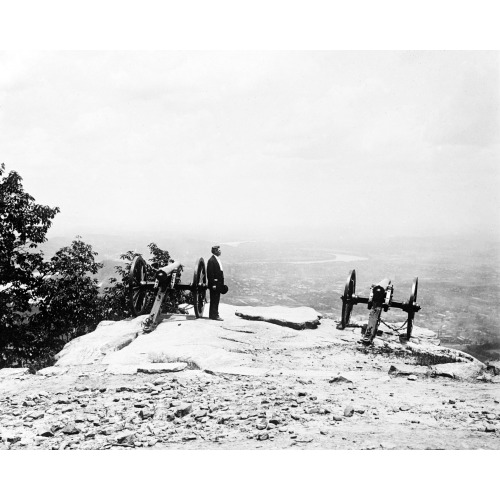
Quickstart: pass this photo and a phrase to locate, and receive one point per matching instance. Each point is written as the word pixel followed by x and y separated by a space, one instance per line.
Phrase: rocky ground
pixel 275 388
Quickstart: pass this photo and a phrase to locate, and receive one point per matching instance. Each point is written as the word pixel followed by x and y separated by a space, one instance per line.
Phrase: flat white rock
pixel 298 318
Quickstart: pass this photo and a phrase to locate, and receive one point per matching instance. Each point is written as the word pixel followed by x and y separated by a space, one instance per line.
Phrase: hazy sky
pixel 239 143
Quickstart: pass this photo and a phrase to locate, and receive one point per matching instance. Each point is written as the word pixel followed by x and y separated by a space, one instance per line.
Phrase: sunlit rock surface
pixel 236 344
pixel 109 336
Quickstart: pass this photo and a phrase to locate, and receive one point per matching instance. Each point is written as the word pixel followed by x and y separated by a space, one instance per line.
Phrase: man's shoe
pixel 218 318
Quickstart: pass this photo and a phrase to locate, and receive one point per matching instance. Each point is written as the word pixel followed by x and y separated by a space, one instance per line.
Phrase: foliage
pixel 115 297
pixel 69 304
pixel 23 225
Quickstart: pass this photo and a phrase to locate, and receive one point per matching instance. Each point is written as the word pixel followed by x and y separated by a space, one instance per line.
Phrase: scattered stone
pixel 146 413
pixel 490 428
pixel 45 431
pixel 404 407
pixel 70 429
pixel 337 418
pixel 197 415
pixel 340 379
pixel 189 437
pixel 183 409
pixel 126 437
pixel 261 425
pixel 123 388
pixel 348 411
pixel 412 377
pixel 35 415
pixel 262 436
pixel 303 439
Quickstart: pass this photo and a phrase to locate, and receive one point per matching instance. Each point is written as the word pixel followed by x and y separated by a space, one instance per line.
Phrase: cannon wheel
pixel 137 293
pixel 411 308
pixel 199 290
pixel 350 288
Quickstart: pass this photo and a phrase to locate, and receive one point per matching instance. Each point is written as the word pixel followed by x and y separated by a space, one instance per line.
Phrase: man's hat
pixel 215 248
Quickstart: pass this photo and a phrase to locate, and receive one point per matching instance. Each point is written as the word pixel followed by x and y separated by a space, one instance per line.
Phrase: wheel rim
pixel 411 309
pixel 199 290
pixel 137 293
pixel 349 290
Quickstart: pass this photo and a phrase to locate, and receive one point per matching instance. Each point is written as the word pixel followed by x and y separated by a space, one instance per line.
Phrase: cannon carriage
pixel 380 299
pixel 148 287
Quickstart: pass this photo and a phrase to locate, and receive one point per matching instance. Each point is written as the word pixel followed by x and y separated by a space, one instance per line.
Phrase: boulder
pixel 493 367
pixel 298 318
pixel 348 411
pixel 460 371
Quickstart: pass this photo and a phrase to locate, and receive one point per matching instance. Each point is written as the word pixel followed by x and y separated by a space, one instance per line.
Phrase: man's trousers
pixel 214 304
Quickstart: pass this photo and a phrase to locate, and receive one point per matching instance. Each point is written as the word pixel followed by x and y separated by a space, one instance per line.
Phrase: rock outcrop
pixel 230 346
pixel 250 383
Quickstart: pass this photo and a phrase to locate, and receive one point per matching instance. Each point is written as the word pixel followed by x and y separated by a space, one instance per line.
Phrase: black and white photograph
pixel 249 250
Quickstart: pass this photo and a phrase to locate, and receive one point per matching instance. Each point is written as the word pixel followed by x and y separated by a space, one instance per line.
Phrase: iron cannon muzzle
pixel 378 295
pixel 162 277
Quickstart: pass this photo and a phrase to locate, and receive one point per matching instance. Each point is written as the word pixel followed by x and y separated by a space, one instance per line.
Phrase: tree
pixel 23 226
pixel 69 304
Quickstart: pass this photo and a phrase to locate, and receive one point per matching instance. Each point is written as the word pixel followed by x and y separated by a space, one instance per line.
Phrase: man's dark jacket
pixel 214 274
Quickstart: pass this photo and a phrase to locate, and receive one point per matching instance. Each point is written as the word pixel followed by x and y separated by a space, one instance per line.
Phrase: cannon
pixel 142 290
pixel 380 299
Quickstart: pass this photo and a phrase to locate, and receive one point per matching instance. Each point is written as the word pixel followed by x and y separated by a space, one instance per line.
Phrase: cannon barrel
pixel 174 266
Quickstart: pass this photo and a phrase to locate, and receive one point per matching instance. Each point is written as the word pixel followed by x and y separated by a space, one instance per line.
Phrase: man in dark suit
pixel 215 276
